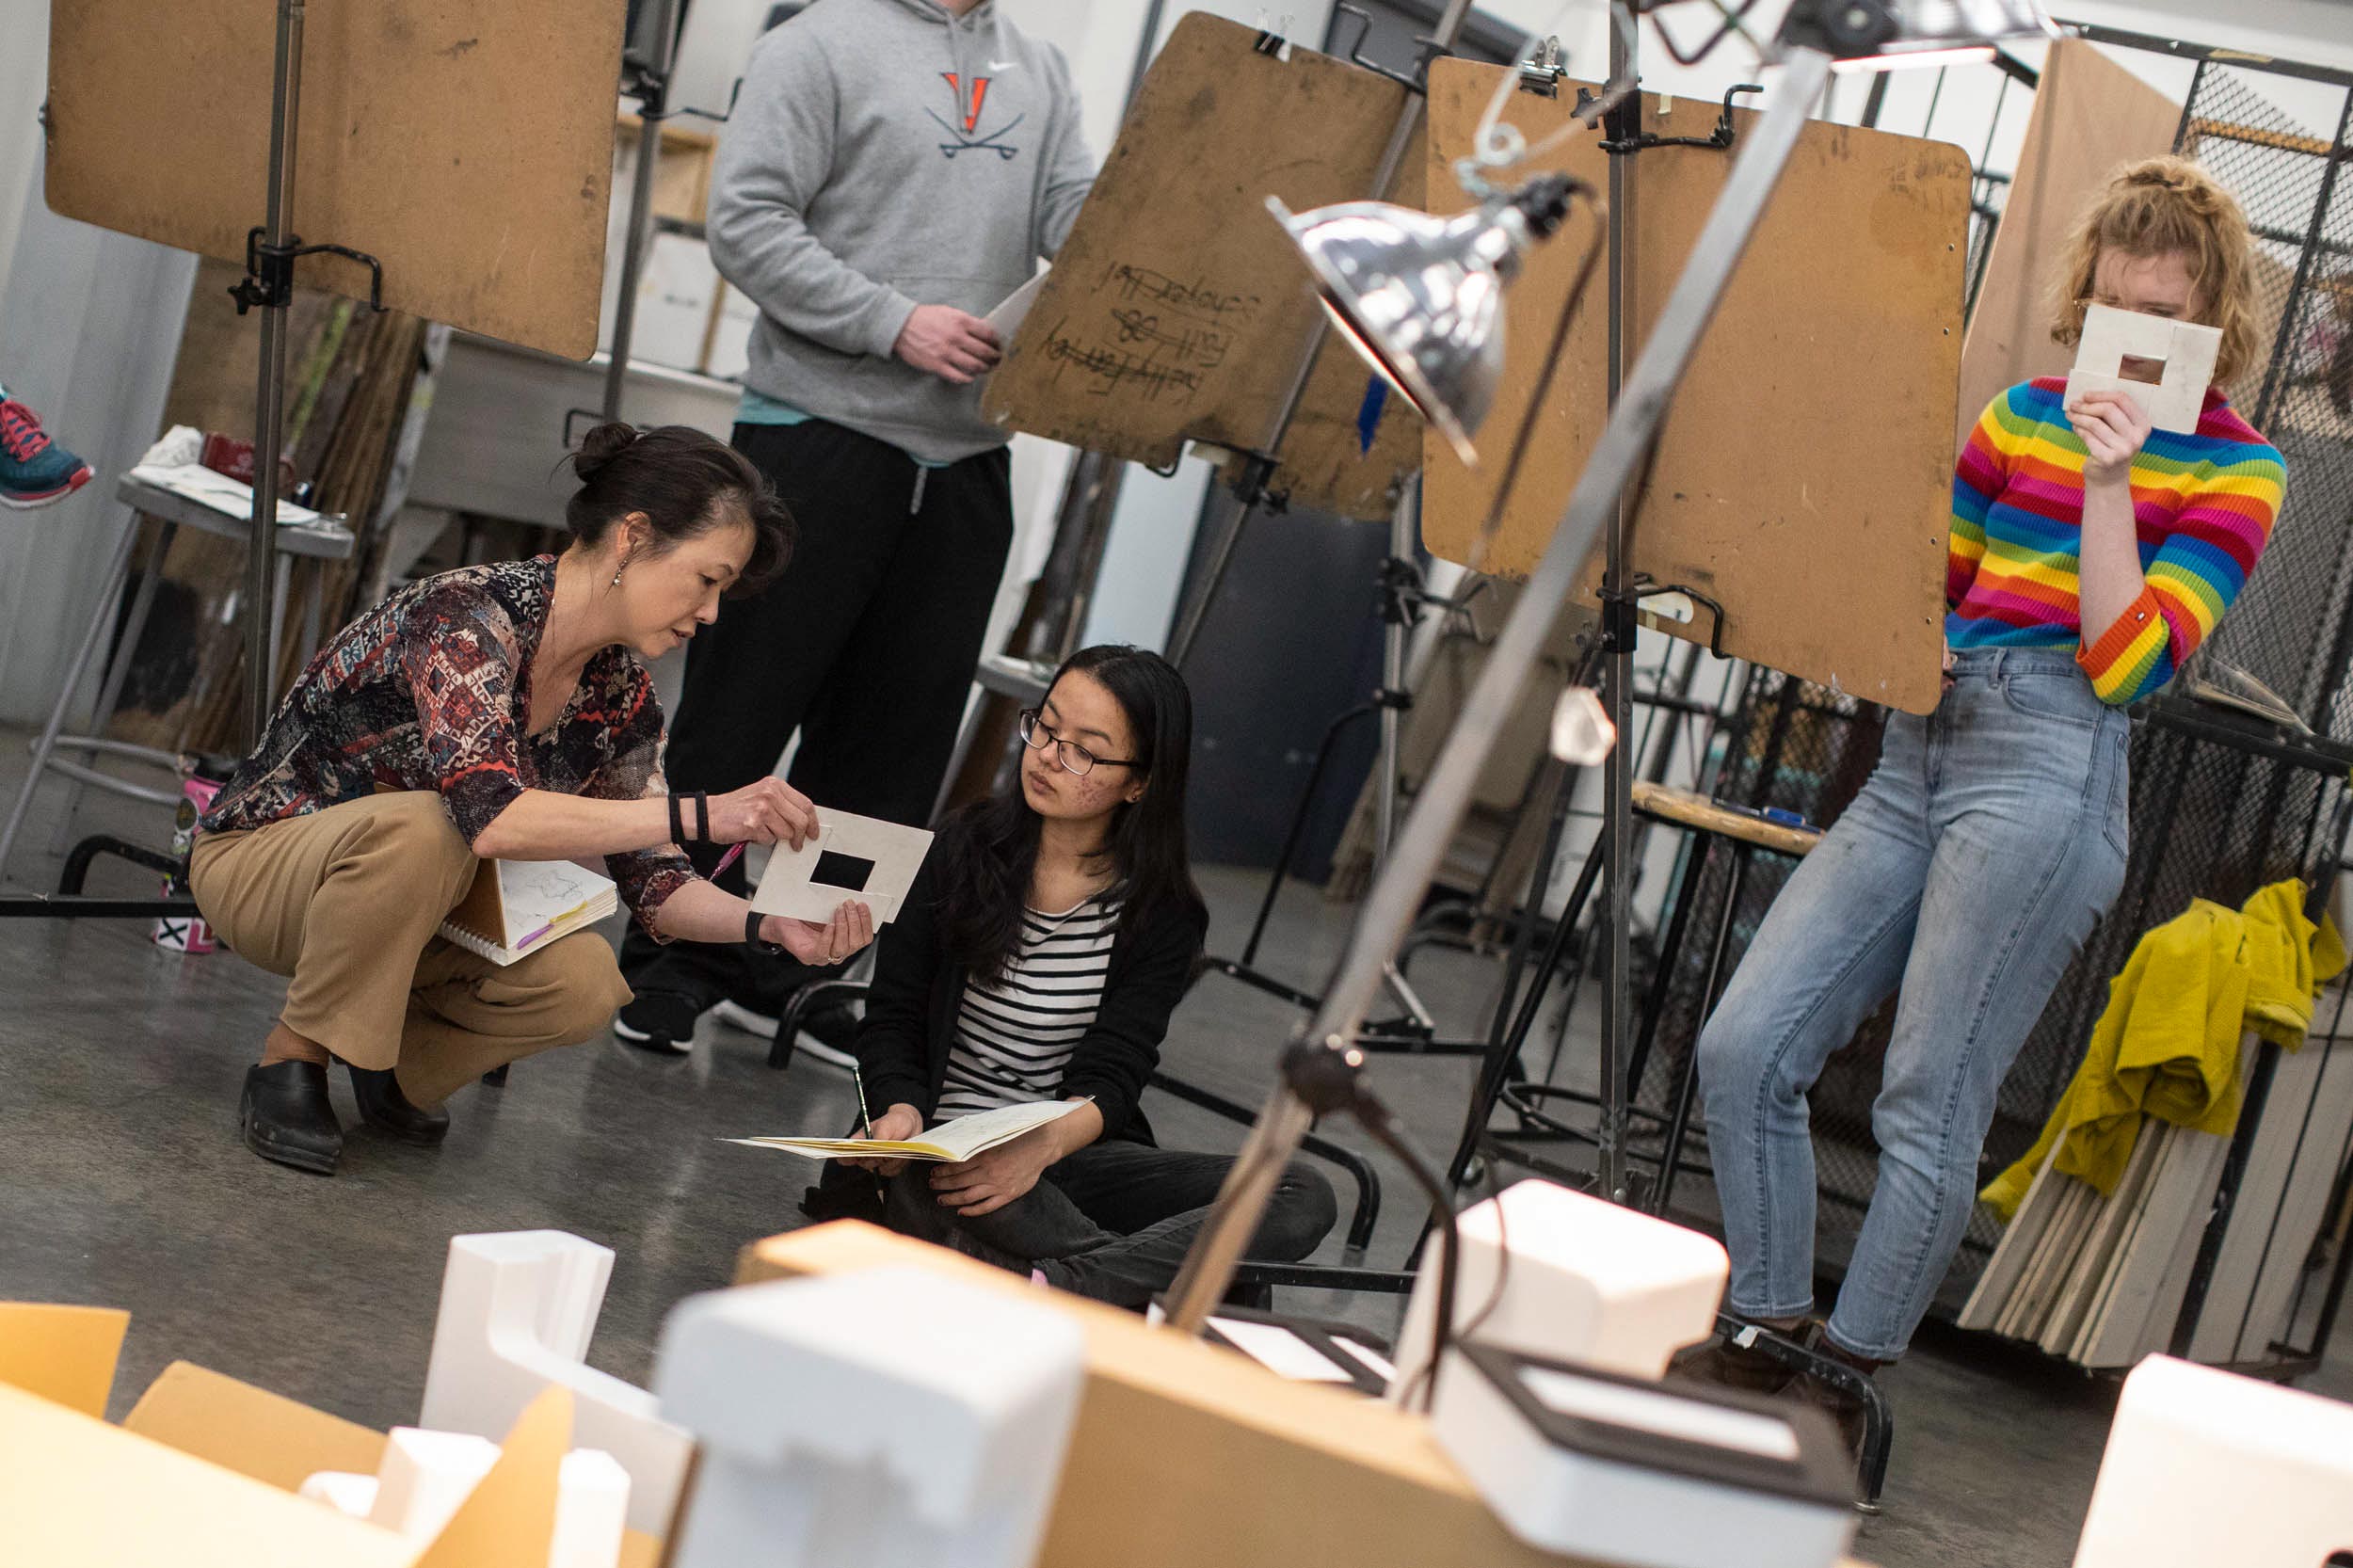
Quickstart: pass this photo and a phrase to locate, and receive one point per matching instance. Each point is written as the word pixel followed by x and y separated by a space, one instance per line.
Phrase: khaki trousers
pixel 347 903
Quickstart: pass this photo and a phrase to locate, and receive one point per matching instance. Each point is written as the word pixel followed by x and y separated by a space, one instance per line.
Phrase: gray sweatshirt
pixel 885 155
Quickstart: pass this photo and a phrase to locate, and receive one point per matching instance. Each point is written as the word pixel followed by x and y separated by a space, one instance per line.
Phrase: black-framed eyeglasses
pixel 1069 755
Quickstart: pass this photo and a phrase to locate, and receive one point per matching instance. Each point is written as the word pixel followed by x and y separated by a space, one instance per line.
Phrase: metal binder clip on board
pixel 1606 1469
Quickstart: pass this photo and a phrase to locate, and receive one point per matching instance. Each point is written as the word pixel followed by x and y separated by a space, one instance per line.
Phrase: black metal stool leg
pixel 1687 1081
pixel 1503 1052
pixel 799 1006
pixel 1662 977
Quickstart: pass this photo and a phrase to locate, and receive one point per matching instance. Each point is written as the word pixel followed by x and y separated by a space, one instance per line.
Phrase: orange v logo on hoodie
pixel 969 103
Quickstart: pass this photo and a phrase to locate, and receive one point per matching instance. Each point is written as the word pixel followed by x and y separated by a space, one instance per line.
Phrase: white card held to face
pixel 2163 364
pixel 848 857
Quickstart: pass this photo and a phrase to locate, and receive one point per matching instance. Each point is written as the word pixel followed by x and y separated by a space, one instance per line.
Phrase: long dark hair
pixel 684 484
pixel 989 851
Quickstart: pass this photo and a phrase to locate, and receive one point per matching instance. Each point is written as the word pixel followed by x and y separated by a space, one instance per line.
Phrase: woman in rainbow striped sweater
pixel 2090 555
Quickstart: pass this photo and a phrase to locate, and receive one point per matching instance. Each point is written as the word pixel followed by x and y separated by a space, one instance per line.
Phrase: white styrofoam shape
pixel 591 1511
pixel 1589 1281
pixel 891 1418
pixel 2205 1466
pixel 424 1476
pixel 431 1473
pixel 518 1309
pixel 342 1491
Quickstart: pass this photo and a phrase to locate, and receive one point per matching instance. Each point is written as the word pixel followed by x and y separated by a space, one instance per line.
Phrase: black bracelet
pixel 702 817
pixel 751 935
pixel 678 824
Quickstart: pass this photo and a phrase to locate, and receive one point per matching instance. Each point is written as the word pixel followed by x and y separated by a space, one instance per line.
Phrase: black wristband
pixel 702 817
pixel 678 824
pixel 751 935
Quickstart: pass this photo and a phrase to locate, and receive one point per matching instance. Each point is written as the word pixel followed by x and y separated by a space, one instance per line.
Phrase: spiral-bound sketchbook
pixel 516 907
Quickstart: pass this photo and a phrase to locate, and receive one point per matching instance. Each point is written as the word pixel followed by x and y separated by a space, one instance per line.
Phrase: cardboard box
pixel 682 170
pixel 676 296
pixel 201 1474
pixel 731 322
pixel 1188 1456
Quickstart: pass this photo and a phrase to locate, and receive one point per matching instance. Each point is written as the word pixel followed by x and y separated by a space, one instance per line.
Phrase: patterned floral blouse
pixel 429 690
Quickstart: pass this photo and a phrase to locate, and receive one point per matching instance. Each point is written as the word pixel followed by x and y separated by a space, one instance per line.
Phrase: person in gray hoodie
pixel 894 170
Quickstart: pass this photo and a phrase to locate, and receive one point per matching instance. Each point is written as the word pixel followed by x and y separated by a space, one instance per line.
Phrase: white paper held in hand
pixel 950 1141
pixel 1014 308
pixel 849 858
pixel 2163 364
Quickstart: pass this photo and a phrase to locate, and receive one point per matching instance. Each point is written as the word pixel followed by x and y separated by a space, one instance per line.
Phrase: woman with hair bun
pixel 499 712
pixel 2090 555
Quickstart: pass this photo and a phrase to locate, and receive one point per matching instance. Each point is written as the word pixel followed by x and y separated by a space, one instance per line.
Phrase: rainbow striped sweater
pixel 2204 504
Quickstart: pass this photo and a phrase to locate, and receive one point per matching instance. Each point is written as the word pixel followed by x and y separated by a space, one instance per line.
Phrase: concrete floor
pixel 122 1183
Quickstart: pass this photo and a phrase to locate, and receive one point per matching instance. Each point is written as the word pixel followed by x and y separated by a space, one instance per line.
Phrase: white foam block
pixel 1588 1281
pixel 341 1491
pixel 591 1511
pixel 518 1309
pixel 424 1474
pixel 891 1418
pixel 2205 1468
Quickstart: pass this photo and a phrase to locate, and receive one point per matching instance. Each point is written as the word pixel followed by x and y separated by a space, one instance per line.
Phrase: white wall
pixel 23 67
pixel 90 327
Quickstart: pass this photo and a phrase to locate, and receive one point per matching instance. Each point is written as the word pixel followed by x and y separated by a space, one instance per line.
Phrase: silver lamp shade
pixel 1420 297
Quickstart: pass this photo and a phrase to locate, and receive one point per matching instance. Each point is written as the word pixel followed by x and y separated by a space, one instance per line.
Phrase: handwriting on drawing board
pixel 1160 337
pixel 1195 300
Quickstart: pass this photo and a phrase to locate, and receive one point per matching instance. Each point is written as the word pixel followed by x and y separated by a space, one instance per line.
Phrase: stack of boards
pixel 2101 1281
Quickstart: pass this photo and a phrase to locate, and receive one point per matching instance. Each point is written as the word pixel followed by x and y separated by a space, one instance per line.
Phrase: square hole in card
pixel 848 872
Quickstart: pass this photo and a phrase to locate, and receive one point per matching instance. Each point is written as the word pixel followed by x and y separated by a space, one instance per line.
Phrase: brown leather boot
pixel 1726 1365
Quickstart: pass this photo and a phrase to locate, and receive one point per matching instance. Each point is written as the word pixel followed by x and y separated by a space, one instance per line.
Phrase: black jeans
pixel 866 646
pixel 1115 1219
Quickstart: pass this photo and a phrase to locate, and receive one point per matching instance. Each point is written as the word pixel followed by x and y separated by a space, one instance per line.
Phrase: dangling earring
pixel 617 577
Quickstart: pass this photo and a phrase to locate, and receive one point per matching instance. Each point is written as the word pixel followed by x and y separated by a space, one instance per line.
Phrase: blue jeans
pixel 1967 874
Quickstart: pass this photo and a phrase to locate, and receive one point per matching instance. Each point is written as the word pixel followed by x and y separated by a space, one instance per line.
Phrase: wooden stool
pixel 1748 832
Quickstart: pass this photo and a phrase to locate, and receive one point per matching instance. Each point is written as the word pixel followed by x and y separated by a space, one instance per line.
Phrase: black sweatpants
pixel 1115 1219
pixel 866 646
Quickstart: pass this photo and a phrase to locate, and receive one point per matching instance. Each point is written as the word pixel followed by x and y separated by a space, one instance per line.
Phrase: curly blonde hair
pixel 2152 207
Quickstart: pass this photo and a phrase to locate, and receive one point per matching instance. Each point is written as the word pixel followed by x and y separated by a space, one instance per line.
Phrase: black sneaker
pixel 660 1021
pixel 825 1034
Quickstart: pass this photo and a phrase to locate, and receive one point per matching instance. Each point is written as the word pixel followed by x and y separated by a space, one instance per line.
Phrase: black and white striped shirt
pixel 1014 1035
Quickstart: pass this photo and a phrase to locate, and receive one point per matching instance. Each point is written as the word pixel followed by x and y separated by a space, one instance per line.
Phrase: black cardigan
pixel 919 989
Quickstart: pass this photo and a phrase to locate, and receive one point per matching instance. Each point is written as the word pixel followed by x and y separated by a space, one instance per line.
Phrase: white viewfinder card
pixel 850 857
pixel 2163 364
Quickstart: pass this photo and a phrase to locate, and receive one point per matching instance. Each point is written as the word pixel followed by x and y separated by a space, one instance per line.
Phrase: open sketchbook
pixel 951 1141
pixel 516 907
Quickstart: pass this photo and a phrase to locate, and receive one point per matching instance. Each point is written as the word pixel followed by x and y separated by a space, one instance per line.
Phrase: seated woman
pixel 1039 953
pixel 499 712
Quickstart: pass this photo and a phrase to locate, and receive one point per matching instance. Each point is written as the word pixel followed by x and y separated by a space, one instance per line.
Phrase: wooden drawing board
pixel 466 147
pixel 1177 307
pixel 1803 474
pixel 2090 115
